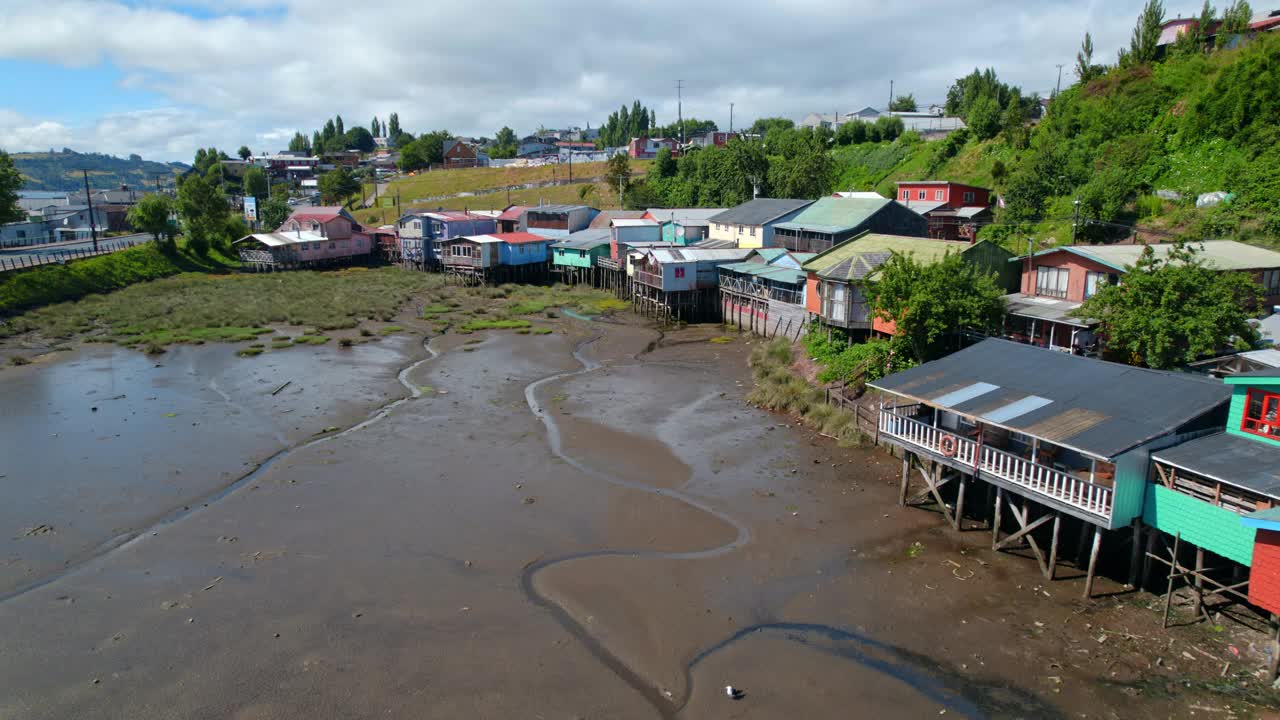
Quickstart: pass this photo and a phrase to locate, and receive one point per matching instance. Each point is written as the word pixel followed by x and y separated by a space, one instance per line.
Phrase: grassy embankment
pixel 781 389
pixel 481 182
pixel 24 289
pixel 258 308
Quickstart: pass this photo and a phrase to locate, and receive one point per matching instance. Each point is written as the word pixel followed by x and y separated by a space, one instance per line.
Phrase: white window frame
pixel 969 196
pixel 1052 281
pixel 1271 281
pixel 920 194
pixel 937 195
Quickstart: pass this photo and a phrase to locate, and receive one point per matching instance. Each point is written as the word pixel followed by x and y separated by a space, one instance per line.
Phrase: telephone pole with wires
pixel 680 109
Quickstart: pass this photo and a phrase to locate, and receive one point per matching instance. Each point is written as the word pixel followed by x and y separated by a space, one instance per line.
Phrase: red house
pixel 458 154
pixel 955 211
pixel 331 222
pixel 643 148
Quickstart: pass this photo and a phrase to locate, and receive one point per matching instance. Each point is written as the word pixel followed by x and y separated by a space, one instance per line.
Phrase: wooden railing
pixel 1061 486
pixel 608 263
pixel 465 260
pixel 758 290
pixel 648 278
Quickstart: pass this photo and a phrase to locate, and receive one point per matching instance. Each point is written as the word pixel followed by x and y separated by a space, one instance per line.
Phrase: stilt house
pixel 766 291
pixel 832 220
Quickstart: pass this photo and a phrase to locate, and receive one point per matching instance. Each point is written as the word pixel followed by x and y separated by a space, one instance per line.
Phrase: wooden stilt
pixel 1153 534
pixel 1053 546
pixel 1173 572
pixel 960 503
pixel 995 520
pixel 1199 601
pixel 1135 552
pixel 906 477
pixel 1093 561
pixel 1274 665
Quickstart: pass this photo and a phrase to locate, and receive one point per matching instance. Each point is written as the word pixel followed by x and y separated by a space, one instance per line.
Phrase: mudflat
pixel 584 524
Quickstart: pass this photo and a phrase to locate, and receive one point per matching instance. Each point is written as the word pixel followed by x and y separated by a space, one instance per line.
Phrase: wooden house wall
pixel 989 257
pixel 896 219
pixel 533 253
pixel 1264 576
pixel 1213 528
pixel 571 257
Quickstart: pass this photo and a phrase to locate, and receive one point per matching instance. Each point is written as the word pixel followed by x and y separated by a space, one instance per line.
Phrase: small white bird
pixel 732 692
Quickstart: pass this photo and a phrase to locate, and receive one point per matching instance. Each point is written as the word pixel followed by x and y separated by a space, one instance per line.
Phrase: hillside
pixel 1190 124
pixel 62 170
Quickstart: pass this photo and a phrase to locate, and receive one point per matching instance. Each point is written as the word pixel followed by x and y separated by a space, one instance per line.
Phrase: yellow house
pixel 750 225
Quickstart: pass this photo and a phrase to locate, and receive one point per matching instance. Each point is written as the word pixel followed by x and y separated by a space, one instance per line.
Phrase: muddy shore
pixel 561 526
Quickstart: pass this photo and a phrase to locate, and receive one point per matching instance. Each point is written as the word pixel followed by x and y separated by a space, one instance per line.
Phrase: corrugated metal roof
pixel 584 239
pixel 693 254
pixel 767 272
pixel 1043 308
pixel 856 267
pixel 606 216
pixel 695 217
pixel 835 214
pixel 1218 254
pixel 759 211
pixel 556 209
pixel 925 250
pixel 715 244
pixel 633 222
pixel 480 239
pixel 513 213
pixel 281 239
pixel 518 238
pixel 1100 408
pixel 1231 459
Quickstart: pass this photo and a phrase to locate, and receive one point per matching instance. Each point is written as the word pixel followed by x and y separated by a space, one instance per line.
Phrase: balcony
pixel 648 278
pixel 1091 500
pixel 462 260
pixel 732 284
pixel 608 263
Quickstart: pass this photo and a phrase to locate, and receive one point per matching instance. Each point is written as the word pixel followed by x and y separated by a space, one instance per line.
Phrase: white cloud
pixel 242 77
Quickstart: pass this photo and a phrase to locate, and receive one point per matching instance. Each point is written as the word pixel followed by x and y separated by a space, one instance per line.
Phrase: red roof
pixel 513 213
pixel 518 238
pixel 323 214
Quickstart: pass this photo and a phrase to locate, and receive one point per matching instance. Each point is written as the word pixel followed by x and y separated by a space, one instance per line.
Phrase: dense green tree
pixel 804 169
pixel 317 143
pixel 152 215
pixel 338 129
pixel 255 183
pixel 300 143
pixel 1174 310
pixel 1235 21
pixel 358 138
pixel 375 128
pixel 764 126
pixel 889 127
pixel 903 103
pixel 852 132
pixel 393 128
pixel 627 122
pixel 931 303
pixel 664 165
pixel 203 210
pixel 1191 40
pixel 273 212
pixel 207 158
pixel 967 91
pixel 10 184
pixel 505 144
pixel 244 152
pixel 617 172
pixel 425 151
pixel 337 185
pixel 984 117
pixel 1085 69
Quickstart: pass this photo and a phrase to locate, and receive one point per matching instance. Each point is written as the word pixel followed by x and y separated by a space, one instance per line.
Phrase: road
pixel 46 253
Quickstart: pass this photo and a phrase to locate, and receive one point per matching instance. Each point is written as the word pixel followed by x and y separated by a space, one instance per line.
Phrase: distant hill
pixel 62 170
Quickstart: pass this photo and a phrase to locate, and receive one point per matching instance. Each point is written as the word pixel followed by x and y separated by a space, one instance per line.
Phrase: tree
pixel 244 152
pixel 889 127
pixel 764 126
pixel 1174 310
pixel 393 130
pixel 358 138
pixel 203 211
pixel 1191 40
pixel 424 152
pixel 984 118
pixel 337 185
pixel 10 184
pixel 617 172
pixel 903 103
pixel 505 144
pixel 273 212
pixel 1235 21
pixel 1085 69
pixel 664 165
pixel 751 164
pixel 852 132
pixel 256 183
pixel 931 303
pixel 151 215
pixel 338 130
pixel 299 143
pixel 375 128
pixel 1145 42
pixel 317 143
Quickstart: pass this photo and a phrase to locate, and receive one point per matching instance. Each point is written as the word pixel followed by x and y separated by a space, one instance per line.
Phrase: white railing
pixel 608 263
pixel 1042 479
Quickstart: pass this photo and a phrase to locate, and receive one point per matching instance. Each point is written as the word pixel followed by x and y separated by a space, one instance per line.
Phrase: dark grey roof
pixel 1268 372
pixel 1097 407
pixel 759 211
pixel 584 239
pixel 555 209
pixel 1249 464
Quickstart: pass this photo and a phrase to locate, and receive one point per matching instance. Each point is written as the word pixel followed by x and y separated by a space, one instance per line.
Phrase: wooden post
pixel 1053 546
pixel 959 502
pixel 1093 561
pixel 906 477
pixel 995 519
pixel 1153 534
pixel 1135 552
pixel 1274 665
pixel 1173 570
pixel 1199 601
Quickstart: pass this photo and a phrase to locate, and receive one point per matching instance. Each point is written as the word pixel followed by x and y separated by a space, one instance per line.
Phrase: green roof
pixel 835 214
pixel 859 256
pixel 771 254
pixel 767 272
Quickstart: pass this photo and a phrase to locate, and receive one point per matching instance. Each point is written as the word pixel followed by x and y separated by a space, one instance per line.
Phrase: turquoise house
pixel 580 249
pixel 683 226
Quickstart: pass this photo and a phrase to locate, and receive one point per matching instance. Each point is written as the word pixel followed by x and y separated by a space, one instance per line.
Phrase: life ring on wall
pixel 947 446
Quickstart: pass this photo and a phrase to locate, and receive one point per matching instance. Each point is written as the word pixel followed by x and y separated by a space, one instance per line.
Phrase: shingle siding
pixel 1212 528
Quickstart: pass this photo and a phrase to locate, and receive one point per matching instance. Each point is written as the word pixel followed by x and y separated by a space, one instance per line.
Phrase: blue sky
pixel 163 78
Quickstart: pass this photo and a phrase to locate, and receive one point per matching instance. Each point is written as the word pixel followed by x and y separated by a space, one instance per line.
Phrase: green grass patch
pixel 431 310
pixel 311 340
pixel 523 331
pixel 475 325
pixel 543 331
pixel 721 340
pixel 390 330
pixel 250 352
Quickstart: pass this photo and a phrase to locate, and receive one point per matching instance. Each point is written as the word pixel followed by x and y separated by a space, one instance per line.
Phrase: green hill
pixel 1192 123
pixel 62 170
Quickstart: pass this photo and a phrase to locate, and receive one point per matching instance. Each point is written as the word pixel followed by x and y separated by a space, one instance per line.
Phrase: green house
pixel 1201 488
pixel 580 249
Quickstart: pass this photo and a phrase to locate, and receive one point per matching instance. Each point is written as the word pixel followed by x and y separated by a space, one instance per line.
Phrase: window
pixel 679 272
pixel 22 234
pixel 1260 412
pixel 968 196
pixel 1095 280
pixel 333 246
pixel 753 231
pixel 937 195
pixel 920 195
pixel 739 229
pixel 1051 281
pixel 906 194
pixel 1271 281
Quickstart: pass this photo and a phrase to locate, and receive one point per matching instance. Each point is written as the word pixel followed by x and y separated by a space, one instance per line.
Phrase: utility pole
pixel 730 117
pixel 620 179
pixel 680 108
pixel 93 227
pixel 890 108
pixel 1058 88
pixel 1075 220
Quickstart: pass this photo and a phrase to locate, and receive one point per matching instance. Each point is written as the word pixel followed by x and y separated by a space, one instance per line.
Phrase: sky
pixel 161 79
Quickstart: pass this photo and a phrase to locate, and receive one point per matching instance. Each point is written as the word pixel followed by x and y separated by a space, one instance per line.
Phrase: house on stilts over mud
pixel 765 293
pixel 1057 443
pixel 681 284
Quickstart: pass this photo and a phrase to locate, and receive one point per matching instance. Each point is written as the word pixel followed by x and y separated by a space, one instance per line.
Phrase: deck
pixel 650 279
pixel 1048 485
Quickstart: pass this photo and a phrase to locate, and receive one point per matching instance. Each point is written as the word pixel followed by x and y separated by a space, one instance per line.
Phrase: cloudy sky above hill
pixel 163 78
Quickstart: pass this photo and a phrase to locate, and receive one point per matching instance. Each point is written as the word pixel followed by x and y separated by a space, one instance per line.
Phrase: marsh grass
pixel 779 389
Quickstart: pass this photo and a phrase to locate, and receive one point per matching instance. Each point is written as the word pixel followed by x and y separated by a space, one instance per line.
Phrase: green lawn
pixel 560 194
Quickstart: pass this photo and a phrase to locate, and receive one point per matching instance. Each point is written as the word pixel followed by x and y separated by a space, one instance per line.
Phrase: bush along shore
pixel 781 388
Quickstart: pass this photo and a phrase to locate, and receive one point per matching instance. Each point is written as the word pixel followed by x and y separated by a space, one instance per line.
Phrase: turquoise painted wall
pixel 1236 415
pixel 571 258
pixel 1130 486
pixel 1200 523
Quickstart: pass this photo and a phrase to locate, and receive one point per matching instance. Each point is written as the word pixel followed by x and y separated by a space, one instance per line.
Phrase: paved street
pixel 21 255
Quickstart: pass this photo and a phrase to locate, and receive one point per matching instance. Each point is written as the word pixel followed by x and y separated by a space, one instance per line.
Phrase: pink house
pixel 309 237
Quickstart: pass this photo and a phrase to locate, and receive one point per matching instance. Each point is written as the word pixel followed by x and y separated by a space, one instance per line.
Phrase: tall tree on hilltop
pixel 1144 45
pixel 255 183
pixel 1174 310
pixel 337 124
pixel 1085 69
pixel 393 130
pixel 10 184
pixel 374 128
pixel 244 152
pixel 1235 21
pixel 317 143
pixel 300 143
